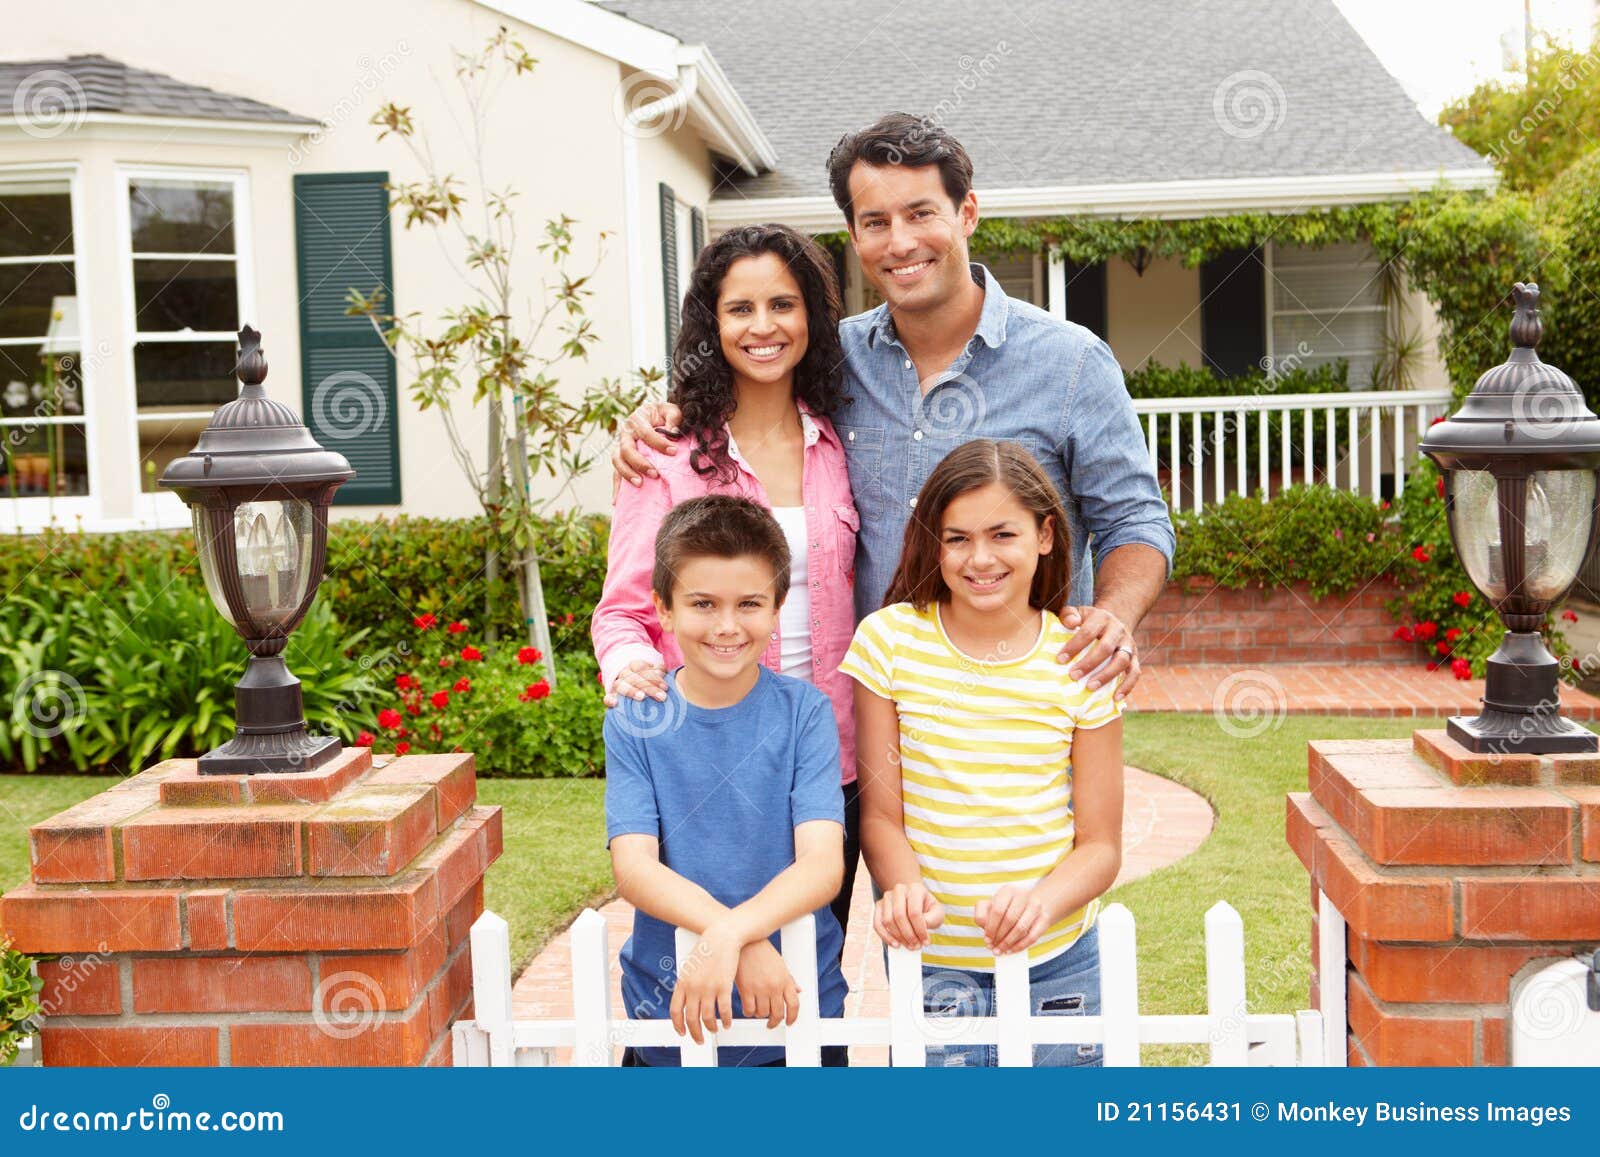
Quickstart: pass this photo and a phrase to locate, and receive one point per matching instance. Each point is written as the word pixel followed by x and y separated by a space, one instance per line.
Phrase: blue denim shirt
pixel 1024 377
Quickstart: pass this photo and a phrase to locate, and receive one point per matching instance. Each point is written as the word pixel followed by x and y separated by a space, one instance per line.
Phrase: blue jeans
pixel 1068 985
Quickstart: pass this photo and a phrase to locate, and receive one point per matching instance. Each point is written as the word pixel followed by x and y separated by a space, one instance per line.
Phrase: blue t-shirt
pixel 723 790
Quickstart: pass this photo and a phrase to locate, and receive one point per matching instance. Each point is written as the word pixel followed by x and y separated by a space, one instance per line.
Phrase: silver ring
pixel 1126 651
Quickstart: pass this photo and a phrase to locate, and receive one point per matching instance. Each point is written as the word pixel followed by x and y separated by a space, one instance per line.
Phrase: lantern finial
pixel 252 368
pixel 1526 328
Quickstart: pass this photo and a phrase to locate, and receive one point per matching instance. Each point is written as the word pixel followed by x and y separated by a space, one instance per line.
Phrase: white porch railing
pixel 1213 451
pixel 1234 1035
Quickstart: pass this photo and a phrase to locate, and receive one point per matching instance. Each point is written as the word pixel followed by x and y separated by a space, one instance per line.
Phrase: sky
pixel 1442 49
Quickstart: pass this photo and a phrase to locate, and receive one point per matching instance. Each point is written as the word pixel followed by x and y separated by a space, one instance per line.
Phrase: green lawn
pixel 555 861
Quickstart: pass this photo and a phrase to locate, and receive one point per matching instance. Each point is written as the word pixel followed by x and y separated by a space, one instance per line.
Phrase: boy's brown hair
pixel 719 526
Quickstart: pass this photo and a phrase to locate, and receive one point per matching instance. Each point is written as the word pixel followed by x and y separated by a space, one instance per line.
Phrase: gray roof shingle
pixel 1067 92
pixel 99 84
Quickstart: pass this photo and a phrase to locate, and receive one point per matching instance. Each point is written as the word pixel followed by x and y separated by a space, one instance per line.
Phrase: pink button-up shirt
pixel 625 628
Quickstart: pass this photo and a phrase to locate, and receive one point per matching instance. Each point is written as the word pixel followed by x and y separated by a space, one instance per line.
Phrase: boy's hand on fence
pixel 765 986
pixel 704 993
pixel 638 679
pixel 903 917
pixel 1013 920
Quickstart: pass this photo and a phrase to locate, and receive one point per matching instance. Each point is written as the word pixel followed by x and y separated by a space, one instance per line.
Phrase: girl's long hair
pixel 918 579
pixel 702 380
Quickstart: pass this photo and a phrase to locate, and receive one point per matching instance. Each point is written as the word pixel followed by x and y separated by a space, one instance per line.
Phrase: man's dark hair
pixel 899 139
pixel 719 526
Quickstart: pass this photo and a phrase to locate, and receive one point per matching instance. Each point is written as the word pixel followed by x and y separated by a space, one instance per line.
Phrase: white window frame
pixel 166 508
pixel 1273 313
pixel 36 513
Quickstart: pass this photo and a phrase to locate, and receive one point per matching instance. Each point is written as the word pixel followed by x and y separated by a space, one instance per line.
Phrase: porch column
pixel 1057 274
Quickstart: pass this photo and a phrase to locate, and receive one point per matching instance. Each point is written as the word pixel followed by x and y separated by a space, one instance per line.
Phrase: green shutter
pixel 697 231
pixel 347 374
pixel 669 269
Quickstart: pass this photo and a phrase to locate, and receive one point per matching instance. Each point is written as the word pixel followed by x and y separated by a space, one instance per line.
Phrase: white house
pixel 168 174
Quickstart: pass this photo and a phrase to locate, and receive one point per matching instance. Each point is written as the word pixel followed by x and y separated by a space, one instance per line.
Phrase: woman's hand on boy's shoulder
pixel 638 679
pixel 766 987
pixel 642 426
pixel 905 915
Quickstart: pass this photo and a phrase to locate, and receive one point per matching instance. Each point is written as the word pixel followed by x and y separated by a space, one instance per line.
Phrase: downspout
pixel 632 128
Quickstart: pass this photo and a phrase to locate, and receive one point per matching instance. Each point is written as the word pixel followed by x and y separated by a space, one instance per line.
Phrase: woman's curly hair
pixel 702 380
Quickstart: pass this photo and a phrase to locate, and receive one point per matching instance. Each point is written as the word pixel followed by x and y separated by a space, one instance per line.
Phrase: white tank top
pixel 794 621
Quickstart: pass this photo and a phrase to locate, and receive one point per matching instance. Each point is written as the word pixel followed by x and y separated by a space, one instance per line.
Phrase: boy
pixel 723 806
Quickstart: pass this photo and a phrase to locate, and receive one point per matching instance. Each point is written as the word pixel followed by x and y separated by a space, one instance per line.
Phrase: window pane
pixel 31 387
pixel 37 461
pixel 194 375
pixel 160 441
pixel 177 295
pixel 35 220
pixel 181 216
pixel 29 295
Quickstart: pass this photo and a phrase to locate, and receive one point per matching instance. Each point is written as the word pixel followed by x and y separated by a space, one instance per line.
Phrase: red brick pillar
pixel 318 918
pixel 1453 872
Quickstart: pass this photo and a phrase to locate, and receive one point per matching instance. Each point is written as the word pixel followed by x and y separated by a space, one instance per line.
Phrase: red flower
pixel 1442 647
pixel 463 685
pixel 535 691
pixel 1462 598
pixel 1404 634
pixel 446 661
pixel 1461 669
pixel 457 628
pixel 401 748
pixel 440 699
pixel 1427 630
pixel 388 719
pixel 413 708
pixel 568 618
pixel 1453 634
pixel 405 682
pixel 600 678
pixel 471 654
pixel 1441 485
pixel 1569 616
pixel 1433 665
pixel 366 738
pixel 424 622
pixel 1437 420
pixel 1421 555
pixel 527 655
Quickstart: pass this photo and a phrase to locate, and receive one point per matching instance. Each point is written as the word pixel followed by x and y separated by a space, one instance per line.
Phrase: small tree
pixel 500 351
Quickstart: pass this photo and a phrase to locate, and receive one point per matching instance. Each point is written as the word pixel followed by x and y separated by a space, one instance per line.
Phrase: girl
pixel 991 779
pixel 755 374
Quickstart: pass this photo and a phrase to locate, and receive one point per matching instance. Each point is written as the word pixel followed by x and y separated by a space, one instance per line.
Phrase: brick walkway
pixel 1162 822
pixel 1327 690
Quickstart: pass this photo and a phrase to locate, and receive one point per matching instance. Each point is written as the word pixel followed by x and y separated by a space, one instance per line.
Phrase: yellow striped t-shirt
pixel 985 766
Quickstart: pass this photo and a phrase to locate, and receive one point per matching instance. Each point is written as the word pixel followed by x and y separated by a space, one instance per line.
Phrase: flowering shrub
pixel 19 1001
pixel 1438 608
pixel 455 695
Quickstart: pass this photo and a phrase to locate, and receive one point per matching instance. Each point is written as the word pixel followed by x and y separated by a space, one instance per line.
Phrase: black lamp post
pixel 1519 460
pixel 259 486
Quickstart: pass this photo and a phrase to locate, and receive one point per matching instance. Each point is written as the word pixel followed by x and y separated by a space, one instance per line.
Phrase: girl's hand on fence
pixel 904 915
pixel 1013 920
pixel 638 679
pixel 704 992
pixel 765 986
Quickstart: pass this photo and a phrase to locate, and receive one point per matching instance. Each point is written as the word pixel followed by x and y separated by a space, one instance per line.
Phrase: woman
pixel 754 373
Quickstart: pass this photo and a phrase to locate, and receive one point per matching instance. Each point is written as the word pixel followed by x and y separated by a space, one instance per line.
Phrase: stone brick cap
pixel 187 787
pixel 1467 767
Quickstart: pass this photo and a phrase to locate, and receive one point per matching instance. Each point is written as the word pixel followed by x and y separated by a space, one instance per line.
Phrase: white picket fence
pixel 1216 452
pixel 1234 1035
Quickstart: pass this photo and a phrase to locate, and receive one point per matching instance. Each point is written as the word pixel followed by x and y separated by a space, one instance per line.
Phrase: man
pixel 950 357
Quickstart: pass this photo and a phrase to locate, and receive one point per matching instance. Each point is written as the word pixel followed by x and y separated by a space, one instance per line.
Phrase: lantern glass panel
pixel 209 561
pixel 1475 526
pixel 1560 510
pixel 272 546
